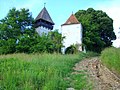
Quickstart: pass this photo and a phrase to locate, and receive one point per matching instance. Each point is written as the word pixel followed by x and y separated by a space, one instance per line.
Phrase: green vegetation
pixel 17 35
pixel 79 82
pixel 37 71
pixel 97 29
pixel 49 71
pixel 71 49
pixel 111 58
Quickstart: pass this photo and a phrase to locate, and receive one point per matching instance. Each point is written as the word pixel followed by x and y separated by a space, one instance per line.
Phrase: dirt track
pixel 101 77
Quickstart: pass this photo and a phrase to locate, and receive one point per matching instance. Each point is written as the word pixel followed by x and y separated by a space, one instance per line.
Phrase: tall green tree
pixel 97 29
pixel 14 28
pixel 16 23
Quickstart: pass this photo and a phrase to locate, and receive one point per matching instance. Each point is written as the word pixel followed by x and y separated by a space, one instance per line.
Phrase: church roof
pixel 44 15
pixel 71 20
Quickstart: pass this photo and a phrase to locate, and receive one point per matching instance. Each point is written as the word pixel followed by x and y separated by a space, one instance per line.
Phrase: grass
pixel 110 57
pixel 37 71
pixel 80 81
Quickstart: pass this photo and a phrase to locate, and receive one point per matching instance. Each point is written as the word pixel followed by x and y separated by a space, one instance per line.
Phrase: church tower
pixel 72 31
pixel 43 22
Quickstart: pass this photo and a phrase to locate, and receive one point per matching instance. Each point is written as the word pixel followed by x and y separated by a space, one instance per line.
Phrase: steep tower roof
pixel 71 20
pixel 44 15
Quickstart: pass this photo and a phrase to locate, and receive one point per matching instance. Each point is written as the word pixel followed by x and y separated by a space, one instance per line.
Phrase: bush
pixel 33 44
pixel 7 46
pixel 71 50
pixel 91 54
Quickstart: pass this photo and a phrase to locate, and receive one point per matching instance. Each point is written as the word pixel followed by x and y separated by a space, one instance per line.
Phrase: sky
pixel 60 10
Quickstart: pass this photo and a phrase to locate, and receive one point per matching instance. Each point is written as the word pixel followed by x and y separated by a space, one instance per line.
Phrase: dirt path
pixel 101 77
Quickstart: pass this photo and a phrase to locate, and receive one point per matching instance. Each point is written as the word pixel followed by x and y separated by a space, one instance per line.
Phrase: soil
pixel 100 76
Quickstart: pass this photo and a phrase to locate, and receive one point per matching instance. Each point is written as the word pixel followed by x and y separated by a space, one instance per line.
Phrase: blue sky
pixel 60 10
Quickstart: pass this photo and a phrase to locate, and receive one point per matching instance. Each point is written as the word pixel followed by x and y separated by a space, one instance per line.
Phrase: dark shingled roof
pixel 44 15
pixel 71 20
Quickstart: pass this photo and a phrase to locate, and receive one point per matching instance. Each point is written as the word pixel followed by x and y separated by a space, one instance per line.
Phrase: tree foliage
pixel 97 29
pixel 17 35
pixel 16 23
pixel 48 43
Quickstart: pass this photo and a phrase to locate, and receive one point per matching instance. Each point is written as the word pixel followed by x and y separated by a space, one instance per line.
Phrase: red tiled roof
pixel 71 20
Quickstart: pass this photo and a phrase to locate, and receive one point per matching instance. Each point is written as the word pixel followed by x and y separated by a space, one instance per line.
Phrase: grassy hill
pixel 36 71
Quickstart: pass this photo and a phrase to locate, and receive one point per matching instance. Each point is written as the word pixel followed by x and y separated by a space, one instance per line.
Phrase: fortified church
pixel 71 29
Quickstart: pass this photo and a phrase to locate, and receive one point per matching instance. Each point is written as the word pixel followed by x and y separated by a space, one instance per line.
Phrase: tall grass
pixel 36 72
pixel 111 58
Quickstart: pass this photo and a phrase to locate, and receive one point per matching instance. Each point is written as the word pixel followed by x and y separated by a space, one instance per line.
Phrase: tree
pixel 56 39
pixel 16 23
pixel 48 43
pixel 15 29
pixel 97 29
pixel 17 34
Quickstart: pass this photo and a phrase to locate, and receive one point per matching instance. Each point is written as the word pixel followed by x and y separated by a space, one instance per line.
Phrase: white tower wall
pixel 73 36
pixel 42 30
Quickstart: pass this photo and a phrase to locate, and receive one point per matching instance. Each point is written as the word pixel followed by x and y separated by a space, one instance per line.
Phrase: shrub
pixel 71 49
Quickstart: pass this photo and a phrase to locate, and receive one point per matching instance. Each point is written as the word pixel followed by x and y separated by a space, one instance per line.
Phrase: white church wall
pixel 73 35
pixel 41 30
